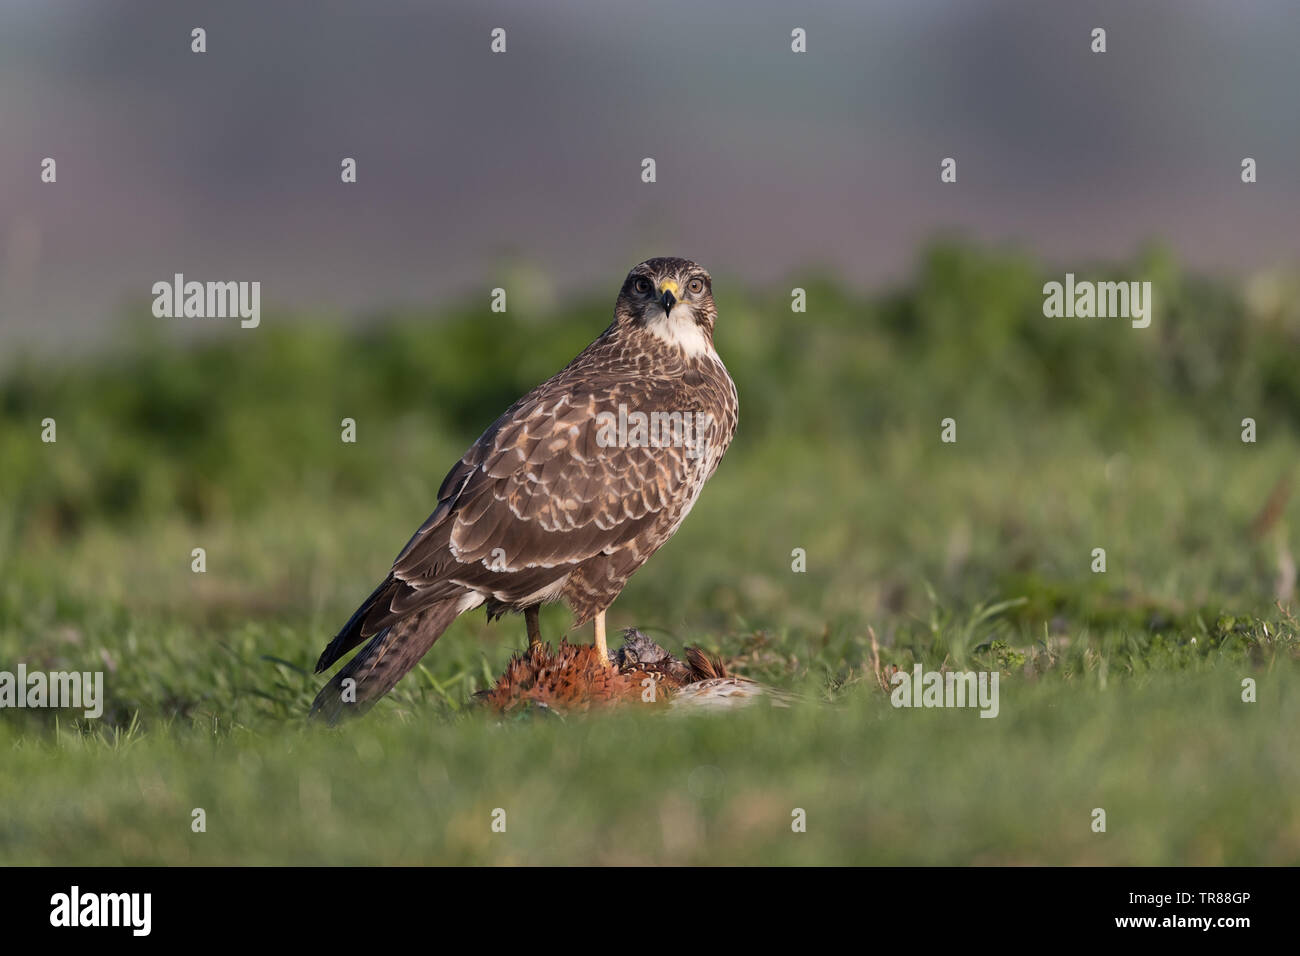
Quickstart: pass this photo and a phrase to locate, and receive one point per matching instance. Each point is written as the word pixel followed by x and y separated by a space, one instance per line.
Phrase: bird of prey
pixel 566 494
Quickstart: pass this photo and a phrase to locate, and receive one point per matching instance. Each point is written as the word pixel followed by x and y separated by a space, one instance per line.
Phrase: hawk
pixel 565 495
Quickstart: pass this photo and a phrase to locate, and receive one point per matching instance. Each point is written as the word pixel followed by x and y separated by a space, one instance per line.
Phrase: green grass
pixel 1119 690
pixel 1185 772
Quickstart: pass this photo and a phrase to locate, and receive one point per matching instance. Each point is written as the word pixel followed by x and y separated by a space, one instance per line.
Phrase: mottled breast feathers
pixel 539 494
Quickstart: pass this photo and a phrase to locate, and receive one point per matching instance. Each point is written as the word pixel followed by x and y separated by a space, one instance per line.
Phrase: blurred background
pixel 775 170
pixel 472 165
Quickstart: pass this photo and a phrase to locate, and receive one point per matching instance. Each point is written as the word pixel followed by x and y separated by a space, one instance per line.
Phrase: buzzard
pixel 565 495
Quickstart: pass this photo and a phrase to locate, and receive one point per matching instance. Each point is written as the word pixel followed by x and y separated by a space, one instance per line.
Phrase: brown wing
pixel 535 496
pixel 538 493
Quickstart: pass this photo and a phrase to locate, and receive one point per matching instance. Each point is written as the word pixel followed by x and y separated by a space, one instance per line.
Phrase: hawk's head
pixel 672 299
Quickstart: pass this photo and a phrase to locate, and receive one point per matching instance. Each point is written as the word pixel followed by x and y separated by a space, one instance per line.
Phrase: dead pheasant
pixel 575 679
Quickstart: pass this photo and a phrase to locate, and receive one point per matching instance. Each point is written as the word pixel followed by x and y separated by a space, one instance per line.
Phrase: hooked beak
pixel 668 295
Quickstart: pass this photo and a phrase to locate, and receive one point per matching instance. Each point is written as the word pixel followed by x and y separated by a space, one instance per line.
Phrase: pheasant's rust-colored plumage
pixel 574 679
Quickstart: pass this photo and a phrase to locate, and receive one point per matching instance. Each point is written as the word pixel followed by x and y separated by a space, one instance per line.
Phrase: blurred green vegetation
pixel 1073 434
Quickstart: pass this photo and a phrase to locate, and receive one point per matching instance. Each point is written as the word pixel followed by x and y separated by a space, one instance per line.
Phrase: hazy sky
pixel 225 165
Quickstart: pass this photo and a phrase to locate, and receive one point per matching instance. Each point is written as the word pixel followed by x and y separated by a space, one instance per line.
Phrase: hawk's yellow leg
pixel 600 637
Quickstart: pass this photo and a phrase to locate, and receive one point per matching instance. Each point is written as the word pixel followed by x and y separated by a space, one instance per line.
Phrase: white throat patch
pixel 679 328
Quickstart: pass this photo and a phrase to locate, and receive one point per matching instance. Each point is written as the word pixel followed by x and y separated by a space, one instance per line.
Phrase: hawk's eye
pixel 696 286
pixel 642 285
